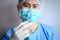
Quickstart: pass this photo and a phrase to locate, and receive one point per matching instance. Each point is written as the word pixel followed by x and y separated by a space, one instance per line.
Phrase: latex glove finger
pixel 23 23
pixel 21 31
pixel 26 33
pixel 23 34
pixel 24 27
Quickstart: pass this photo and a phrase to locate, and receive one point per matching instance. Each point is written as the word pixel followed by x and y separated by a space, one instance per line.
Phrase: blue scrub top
pixel 43 32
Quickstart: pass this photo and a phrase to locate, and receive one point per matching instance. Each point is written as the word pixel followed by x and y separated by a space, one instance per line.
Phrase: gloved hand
pixel 21 32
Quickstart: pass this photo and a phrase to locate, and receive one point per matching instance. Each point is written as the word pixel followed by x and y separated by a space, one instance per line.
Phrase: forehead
pixel 31 1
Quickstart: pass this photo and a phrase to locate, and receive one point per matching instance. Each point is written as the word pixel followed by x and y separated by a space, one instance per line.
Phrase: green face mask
pixel 27 14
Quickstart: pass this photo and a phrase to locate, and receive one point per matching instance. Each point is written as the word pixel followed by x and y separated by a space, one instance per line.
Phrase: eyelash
pixel 34 6
pixel 26 5
pixel 29 6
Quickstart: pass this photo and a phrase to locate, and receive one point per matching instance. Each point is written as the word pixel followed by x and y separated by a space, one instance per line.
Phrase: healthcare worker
pixel 30 28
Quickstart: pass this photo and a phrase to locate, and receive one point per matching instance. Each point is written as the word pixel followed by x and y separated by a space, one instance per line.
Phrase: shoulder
pixel 46 27
pixel 8 34
pixel 48 30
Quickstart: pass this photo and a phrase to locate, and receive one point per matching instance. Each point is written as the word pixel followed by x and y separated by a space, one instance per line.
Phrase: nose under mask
pixel 30 15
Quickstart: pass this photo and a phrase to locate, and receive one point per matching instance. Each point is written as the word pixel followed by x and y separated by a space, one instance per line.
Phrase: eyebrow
pixel 36 4
pixel 29 4
pixel 26 3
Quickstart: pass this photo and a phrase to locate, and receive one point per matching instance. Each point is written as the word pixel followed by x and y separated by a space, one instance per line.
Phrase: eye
pixel 34 6
pixel 26 5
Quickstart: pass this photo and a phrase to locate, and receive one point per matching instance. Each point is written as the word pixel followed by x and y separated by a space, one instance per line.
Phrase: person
pixel 30 28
